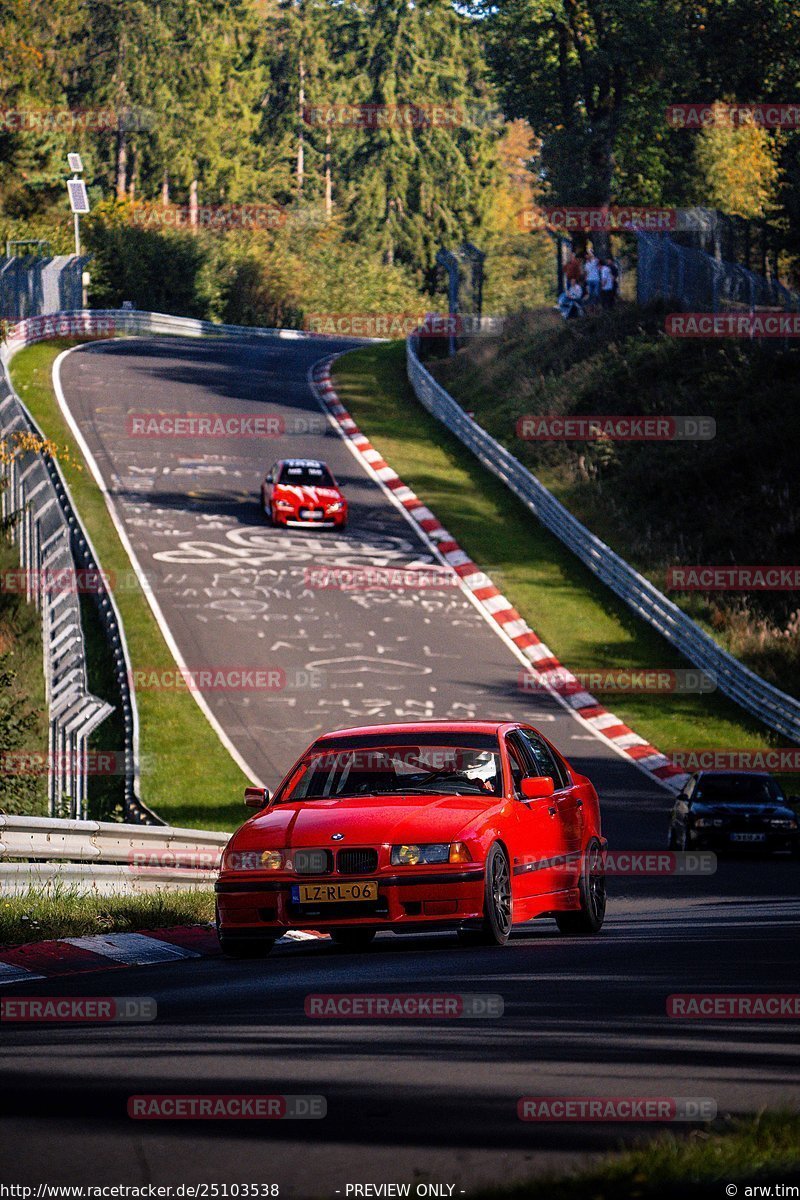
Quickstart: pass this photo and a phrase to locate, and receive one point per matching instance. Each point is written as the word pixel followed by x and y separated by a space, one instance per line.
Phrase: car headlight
pixel 241 860
pixel 783 823
pixel 337 506
pixel 708 822
pixel 273 860
pixel 411 855
pixel 283 504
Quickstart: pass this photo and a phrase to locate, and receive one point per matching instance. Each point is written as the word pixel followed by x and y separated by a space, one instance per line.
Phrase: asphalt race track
pixel 407 1100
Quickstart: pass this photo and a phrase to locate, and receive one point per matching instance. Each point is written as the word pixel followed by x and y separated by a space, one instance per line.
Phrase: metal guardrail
pixel 776 709
pixel 51 539
pixel 133 323
pixel 104 857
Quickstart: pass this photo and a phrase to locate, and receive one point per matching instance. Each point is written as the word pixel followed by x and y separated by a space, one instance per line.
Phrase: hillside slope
pixel 734 499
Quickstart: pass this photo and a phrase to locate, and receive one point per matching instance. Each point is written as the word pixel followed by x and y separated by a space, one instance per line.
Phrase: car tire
pixel 353 939
pixel 588 919
pixel 498 904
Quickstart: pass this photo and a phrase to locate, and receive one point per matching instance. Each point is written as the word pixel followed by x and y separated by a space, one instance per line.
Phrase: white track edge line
pixel 166 633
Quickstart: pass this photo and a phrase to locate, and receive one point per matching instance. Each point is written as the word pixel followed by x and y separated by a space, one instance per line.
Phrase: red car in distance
pixel 303 491
pixel 471 826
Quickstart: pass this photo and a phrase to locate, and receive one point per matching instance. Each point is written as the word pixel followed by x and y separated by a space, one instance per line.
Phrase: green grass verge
pixel 578 617
pixel 40 914
pixel 188 777
pixel 752 1150
pixel 23 710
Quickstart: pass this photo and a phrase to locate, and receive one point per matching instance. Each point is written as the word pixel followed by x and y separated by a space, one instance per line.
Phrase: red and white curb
pixel 508 622
pixel 107 951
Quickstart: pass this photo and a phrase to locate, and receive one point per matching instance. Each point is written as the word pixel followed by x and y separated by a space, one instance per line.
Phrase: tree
pixel 423 172
pixel 585 74
pixel 738 166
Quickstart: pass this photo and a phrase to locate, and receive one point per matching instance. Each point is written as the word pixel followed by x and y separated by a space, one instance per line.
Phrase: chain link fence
pixel 31 286
pixel 692 280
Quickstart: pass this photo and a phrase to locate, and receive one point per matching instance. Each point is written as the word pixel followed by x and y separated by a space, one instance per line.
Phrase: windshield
pixel 307 475
pixel 738 789
pixel 432 769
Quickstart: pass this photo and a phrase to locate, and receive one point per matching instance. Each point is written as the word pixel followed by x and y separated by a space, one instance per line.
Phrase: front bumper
pixel 305 523
pixel 759 841
pixel 440 899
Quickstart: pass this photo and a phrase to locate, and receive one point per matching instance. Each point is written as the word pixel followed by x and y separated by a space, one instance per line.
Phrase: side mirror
pixel 257 797
pixel 537 787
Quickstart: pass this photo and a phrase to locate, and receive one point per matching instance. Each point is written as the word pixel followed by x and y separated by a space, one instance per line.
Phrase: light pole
pixel 78 197
pixel 79 203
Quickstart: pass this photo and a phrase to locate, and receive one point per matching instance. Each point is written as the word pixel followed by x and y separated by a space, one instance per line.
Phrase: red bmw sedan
pixel 303 491
pixel 470 826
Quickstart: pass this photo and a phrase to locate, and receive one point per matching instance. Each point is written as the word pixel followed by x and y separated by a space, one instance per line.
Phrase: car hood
pixel 306 493
pixel 364 821
pixel 736 811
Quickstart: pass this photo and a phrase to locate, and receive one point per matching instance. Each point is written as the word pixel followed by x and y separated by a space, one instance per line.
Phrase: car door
pixel 566 799
pixel 538 861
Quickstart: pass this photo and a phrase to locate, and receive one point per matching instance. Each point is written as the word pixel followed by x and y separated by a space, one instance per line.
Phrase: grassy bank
pixel 753 1150
pixel 188 777
pixel 40 915
pixel 580 619
pixel 733 499
pixel 23 711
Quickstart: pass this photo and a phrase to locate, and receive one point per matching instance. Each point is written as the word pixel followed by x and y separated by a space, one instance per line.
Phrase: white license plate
pixel 748 837
pixel 310 514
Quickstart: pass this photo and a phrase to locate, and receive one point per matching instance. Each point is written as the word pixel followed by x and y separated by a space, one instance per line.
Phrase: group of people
pixel 589 283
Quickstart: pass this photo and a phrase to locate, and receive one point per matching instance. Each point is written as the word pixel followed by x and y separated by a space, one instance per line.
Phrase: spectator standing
pixel 592 271
pixel 573 271
pixel 606 284
pixel 616 271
